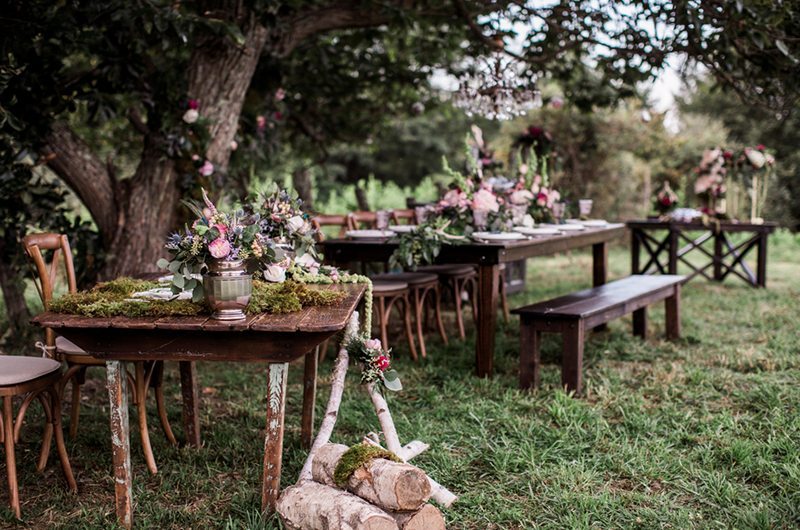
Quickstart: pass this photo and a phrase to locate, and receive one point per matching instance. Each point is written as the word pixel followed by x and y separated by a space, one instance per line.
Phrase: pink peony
pixel 219 248
pixel 382 362
pixel 454 199
pixel 485 201
pixel 207 169
pixel 521 197
pixel 373 344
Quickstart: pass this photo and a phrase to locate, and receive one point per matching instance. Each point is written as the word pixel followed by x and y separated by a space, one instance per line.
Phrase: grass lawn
pixel 702 433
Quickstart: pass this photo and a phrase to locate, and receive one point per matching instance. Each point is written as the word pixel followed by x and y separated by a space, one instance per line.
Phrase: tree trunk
pixel 13 289
pixel 361 198
pixel 389 485
pixel 301 179
pixel 312 506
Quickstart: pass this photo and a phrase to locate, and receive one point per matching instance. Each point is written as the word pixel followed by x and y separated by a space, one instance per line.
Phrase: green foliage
pixel 357 456
pixel 422 245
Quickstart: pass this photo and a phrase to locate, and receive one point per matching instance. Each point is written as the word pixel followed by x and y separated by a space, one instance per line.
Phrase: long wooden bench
pixel 572 315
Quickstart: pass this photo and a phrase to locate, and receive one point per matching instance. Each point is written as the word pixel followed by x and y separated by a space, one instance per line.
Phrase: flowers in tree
pixel 191 116
pixel 207 169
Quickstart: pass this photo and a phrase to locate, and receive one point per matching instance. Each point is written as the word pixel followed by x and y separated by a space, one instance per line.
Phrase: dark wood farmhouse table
pixel 666 244
pixel 488 257
pixel 275 339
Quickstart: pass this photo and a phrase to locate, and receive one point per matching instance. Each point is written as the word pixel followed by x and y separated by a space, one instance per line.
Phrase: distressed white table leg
pixel 273 443
pixel 117 383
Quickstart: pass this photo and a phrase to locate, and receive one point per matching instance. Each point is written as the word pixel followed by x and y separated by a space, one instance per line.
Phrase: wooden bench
pixel 573 314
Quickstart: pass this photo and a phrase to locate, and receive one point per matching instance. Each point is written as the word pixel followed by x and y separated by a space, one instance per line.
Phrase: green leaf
pixel 162 263
pixel 391 381
pixel 197 293
pixel 174 266
pixel 784 49
pixel 178 281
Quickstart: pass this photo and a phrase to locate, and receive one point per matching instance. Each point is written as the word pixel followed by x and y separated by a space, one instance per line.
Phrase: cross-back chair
pixel 147 373
pixel 32 378
pixel 405 216
pixel 364 219
pixel 344 222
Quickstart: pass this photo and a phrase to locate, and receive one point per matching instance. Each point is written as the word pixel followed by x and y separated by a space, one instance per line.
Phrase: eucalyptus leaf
pixel 162 263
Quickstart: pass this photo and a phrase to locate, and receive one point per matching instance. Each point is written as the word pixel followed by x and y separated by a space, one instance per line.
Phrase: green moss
pixel 357 456
pixel 113 299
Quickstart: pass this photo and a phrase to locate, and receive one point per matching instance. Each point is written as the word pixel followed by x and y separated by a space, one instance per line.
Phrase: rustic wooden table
pixel 488 257
pixel 275 339
pixel 668 243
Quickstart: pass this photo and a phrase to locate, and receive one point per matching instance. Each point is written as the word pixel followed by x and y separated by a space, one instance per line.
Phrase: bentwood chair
pixel 363 219
pixel 344 222
pixel 32 378
pixel 147 374
pixel 388 295
pixel 458 280
pixel 405 216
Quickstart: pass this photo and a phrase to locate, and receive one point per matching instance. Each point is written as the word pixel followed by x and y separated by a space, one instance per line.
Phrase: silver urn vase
pixel 227 286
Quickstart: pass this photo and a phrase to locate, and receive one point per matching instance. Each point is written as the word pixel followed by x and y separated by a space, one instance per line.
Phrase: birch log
pixel 309 505
pixel 426 518
pixel 335 399
pixel 439 493
pixel 389 485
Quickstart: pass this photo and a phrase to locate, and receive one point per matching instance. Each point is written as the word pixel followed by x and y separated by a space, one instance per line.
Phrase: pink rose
pixel 280 94
pixel 541 198
pixel 219 248
pixel 207 169
pixel 454 199
pixel 485 201
pixel 261 122
pixel 373 344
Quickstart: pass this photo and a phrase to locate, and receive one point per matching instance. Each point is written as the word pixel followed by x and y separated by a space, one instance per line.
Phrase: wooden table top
pixel 471 251
pixel 697 224
pixel 277 338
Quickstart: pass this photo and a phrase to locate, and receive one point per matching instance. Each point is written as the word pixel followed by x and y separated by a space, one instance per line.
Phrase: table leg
pixel 117 382
pixel 761 266
pixel 309 397
pixel 191 403
pixel 273 443
pixel 636 247
pixel 672 264
pixel 718 276
pixel 600 269
pixel 488 285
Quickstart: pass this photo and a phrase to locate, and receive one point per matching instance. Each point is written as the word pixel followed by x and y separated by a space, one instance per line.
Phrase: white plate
pixel 565 228
pixel 536 231
pixel 573 221
pixel 369 234
pixel 402 229
pixel 595 223
pixel 498 236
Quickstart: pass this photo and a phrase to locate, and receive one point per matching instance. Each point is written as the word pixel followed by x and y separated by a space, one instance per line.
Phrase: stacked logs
pixel 380 494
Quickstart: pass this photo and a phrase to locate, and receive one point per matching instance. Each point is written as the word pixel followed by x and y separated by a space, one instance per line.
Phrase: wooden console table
pixel 667 243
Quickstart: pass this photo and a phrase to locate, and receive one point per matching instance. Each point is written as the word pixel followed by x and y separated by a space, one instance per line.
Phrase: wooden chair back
pixel 46 274
pixel 344 222
pixel 406 216
pixel 364 219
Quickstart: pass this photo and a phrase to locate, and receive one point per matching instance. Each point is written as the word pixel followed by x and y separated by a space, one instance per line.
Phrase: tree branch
pixel 74 162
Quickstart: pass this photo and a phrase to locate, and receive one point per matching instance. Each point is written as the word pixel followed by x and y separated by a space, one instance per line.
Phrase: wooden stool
pixel 458 279
pixel 421 286
pixel 385 296
pixel 35 378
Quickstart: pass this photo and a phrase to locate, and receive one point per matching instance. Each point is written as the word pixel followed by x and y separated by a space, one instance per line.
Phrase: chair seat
pixel 68 347
pixel 18 369
pixel 413 279
pixel 384 287
pixel 448 270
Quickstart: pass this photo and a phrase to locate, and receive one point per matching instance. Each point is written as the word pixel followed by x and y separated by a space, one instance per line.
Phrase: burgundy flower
pixel 760 147
pixel 278 115
pixel 382 362
pixel 534 131
pixel 727 155
pixel 194 104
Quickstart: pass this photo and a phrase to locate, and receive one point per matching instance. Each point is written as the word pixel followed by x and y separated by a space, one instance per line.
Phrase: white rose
pixel 307 261
pixel 296 223
pixel 521 197
pixel 275 274
pixel 190 116
pixel 756 158
pixel 528 221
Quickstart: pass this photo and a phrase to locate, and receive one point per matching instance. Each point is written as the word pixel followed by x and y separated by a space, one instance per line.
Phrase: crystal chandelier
pixel 496 90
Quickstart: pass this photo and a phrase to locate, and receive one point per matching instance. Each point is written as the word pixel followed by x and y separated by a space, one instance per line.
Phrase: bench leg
pixel 529 357
pixel 640 323
pixel 572 360
pixel 673 310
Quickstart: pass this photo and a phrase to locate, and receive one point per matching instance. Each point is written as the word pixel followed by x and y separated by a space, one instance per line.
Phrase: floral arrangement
pixel 710 184
pixel 754 170
pixel 376 362
pixel 666 200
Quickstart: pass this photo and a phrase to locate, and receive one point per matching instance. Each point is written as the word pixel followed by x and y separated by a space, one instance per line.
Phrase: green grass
pixel 702 433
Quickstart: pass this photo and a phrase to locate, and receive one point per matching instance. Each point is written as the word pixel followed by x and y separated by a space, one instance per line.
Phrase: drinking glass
pixel 558 211
pixel 421 213
pixel 382 218
pixel 585 207
pixel 480 219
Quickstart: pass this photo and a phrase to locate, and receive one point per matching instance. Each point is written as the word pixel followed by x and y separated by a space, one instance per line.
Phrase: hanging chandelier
pixel 495 89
